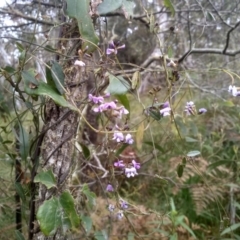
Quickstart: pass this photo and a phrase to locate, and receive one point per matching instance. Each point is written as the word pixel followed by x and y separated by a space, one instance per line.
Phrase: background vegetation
pixel 57 156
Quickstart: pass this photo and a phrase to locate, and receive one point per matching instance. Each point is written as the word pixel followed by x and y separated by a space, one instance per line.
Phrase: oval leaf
pixel 117 85
pixel 47 178
pixel 49 216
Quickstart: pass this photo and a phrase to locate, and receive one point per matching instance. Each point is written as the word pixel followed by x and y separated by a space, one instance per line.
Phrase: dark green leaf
pixel 67 203
pixel 20 46
pixel 43 89
pixel 108 6
pixel 117 85
pixel 9 69
pixel 86 151
pixel 29 77
pixel 49 216
pixel 19 235
pixel 58 77
pixel 154 113
pixel 80 10
pixel 23 142
pixel 47 178
pixel 20 191
pixel 180 169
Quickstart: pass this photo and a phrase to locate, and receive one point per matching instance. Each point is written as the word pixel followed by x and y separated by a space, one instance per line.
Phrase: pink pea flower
pixel 166 110
pixel 129 139
pixel 95 99
pixel 202 110
pixel 113 48
pixel 118 136
pixel 109 188
pixel 190 108
pixel 131 172
pixel 119 164
pixel 135 164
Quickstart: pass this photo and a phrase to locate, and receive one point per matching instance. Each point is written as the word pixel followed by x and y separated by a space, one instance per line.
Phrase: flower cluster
pixel 234 91
pixel 113 48
pixel 119 137
pixel 190 109
pixel 130 170
pixel 166 110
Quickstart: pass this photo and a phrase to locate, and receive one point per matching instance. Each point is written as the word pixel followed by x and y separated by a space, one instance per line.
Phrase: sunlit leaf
pixel 108 6
pixel 80 10
pixel 47 178
pixel 193 153
pixel 168 4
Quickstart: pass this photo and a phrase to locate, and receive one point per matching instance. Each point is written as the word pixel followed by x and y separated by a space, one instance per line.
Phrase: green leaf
pixel 193 153
pixel 9 69
pixel 136 79
pixel 217 164
pixel 180 169
pixel 58 77
pixel 123 99
pixel 117 85
pixel 80 10
pixel 20 47
pixel 170 52
pixel 189 139
pixel 29 77
pixel 67 203
pixel 90 195
pixel 47 178
pixel 101 235
pixel 85 150
pixel 184 225
pixel 108 6
pixel 43 89
pixel 19 235
pixel 23 142
pixel 20 191
pixel 87 223
pixel 231 228
pixel 49 216
pixel 128 7
pixel 168 4
pixel 155 113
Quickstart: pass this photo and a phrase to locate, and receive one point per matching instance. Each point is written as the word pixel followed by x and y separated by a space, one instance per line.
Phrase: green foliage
pixel 109 6
pixel 80 11
pixel 58 212
pixel 47 178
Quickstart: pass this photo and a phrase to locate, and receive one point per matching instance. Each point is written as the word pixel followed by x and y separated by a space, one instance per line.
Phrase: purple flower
pixel 119 164
pixel 122 110
pixel 166 110
pixel 118 136
pixel 120 215
pixel 124 205
pixel 135 164
pixel 202 110
pixel 113 47
pixel 95 99
pixel 128 139
pixel 190 108
pixel 111 207
pixel 131 172
pixel 105 107
pixel 109 188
